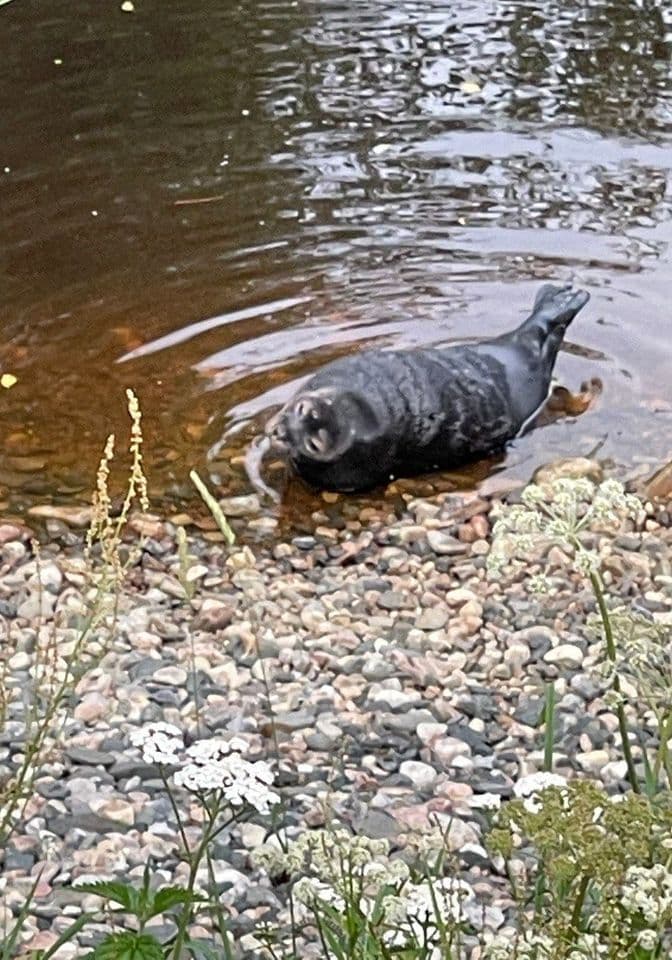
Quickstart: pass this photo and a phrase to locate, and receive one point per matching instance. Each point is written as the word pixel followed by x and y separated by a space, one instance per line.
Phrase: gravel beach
pixel 402 682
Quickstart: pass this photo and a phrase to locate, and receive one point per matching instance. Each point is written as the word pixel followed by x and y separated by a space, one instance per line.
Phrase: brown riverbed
pixel 207 201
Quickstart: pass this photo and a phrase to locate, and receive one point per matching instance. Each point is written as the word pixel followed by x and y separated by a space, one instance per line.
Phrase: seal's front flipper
pixel 256 452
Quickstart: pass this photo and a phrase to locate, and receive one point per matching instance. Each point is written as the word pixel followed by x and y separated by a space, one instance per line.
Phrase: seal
pixel 368 418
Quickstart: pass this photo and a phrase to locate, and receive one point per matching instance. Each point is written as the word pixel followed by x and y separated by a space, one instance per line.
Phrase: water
pixel 207 201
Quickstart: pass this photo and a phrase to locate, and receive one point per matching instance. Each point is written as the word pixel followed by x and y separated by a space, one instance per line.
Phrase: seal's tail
pixel 553 311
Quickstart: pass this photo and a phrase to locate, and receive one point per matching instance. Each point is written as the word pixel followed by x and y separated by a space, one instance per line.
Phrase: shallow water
pixel 207 201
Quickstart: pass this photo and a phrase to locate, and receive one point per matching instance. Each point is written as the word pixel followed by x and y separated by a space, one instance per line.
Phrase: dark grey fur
pixel 376 415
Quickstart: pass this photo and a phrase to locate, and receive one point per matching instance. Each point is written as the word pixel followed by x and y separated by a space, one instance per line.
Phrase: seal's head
pixel 321 425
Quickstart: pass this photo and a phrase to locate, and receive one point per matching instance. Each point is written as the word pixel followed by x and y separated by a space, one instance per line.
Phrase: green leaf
pixel 128 946
pixel 123 894
pixel 169 897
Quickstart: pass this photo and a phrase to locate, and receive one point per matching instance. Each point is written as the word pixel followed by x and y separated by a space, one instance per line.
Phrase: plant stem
pixel 578 906
pixel 176 811
pixel 616 684
pixel 185 915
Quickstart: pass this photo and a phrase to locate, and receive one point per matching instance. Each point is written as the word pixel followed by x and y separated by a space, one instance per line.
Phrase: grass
pixel 589 875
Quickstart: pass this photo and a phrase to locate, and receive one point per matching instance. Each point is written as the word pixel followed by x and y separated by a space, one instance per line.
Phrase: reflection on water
pixel 226 198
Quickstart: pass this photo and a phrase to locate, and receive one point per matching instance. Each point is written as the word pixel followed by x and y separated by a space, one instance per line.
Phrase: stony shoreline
pixel 403 683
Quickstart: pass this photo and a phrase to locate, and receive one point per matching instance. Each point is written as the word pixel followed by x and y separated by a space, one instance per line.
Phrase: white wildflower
pixel 485 801
pixel 271 856
pixel 197 777
pixel 241 782
pixel 312 892
pixel 587 562
pixel 533 494
pixel 588 947
pixel 528 946
pixel 647 939
pixel 533 784
pixel 385 872
pixel 540 584
pixel 159 742
pixel 215 748
pixel 450 895
pixel 648 891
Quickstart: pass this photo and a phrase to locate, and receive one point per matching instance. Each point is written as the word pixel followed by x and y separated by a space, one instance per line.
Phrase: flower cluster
pixel 209 765
pixel 560 512
pixel 159 743
pixel 648 891
pixel 528 946
pixel 422 909
pixel 322 852
pixel 343 872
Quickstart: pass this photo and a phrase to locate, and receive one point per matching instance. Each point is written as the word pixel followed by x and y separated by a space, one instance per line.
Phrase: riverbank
pixel 378 667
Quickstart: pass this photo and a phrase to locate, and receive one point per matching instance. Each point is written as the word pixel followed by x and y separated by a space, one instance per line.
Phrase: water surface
pixel 207 201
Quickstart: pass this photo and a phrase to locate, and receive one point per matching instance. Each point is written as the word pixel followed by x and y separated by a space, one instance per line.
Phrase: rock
pixel 87 757
pixel 433 618
pixel 78 517
pixel 540 639
pixel 252 835
pixel 10 533
pixel 614 772
pixel 171 676
pixel 448 749
pixel 294 720
pixel 114 808
pixel 593 761
pixel 445 544
pixel 572 468
pixel 565 655
pixel 396 699
pixel 38 605
pixel 421 775
pixel 376 668
pixel 516 655
pixel 20 661
pixel 93 706
pixel 659 486
pixel 245 506
pixel 214 615
pixel 376 824
pixel 459 596
pixel 429 733
pixel 313 616
pixel 392 600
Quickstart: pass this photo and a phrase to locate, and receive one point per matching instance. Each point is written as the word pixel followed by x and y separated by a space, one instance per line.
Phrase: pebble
pixel 92 707
pixel 565 655
pixel 171 676
pixel 402 682
pixel 448 749
pixel 434 618
pixel 245 506
pixel 593 761
pixel 421 775
pixel 20 661
pixel 445 545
